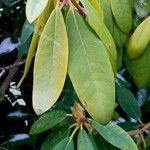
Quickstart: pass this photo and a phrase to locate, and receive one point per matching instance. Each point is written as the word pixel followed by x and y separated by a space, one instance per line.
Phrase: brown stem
pixel 11 74
pixel 139 131
pixel 80 8
pixel 13 65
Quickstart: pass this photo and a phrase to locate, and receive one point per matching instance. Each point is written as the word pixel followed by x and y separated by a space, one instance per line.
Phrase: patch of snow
pixel 7 45
pixel 19 137
pixel 21 102
pixel 119 120
pixel 2 72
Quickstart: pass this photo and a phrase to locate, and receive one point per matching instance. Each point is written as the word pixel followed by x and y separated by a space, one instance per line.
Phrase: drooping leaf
pixel 55 137
pixel 90 69
pixel 65 144
pixel 100 28
pixel 122 13
pixel 40 23
pixel 34 8
pixel 128 102
pixel 23 48
pixel 115 135
pixel 84 141
pixel 47 121
pixel 140 68
pixel 51 61
pixel 26 32
pixel 97 7
pixel 108 17
pixel 101 143
pixel 118 35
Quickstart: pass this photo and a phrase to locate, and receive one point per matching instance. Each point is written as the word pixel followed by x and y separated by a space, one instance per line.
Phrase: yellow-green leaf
pixel 108 17
pixel 40 23
pixel 50 63
pixel 140 68
pixel 34 8
pixel 122 13
pixel 139 39
pixel 97 7
pixel 100 28
pixel 90 69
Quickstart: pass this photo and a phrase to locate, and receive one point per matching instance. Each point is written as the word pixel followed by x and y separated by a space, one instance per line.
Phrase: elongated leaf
pixel 115 135
pixel 55 137
pixel 47 121
pixel 26 34
pixel 101 143
pixel 108 17
pixel 98 25
pixel 140 68
pixel 97 7
pixel 34 8
pixel 128 102
pixel 65 144
pixel 122 13
pixel 84 141
pixel 50 66
pixel 90 69
pixel 35 38
pixel 27 30
pixel 118 35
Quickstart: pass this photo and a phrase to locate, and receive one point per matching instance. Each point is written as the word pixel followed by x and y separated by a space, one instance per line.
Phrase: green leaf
pixel 65 144
pixel 47 121
pixel 101 143
pixel 23 48
pixel 128 102
pixel 108 17
pixel 100 28
pixel 50 65
pixel 140 68
pixel 90 69
pixel 118 35
pixel 115 135
pixel 147 140
pixel 84 141
pixel 34 8
pixel 122 13
pixel 26 34
pixel 128 126
pixel 55 137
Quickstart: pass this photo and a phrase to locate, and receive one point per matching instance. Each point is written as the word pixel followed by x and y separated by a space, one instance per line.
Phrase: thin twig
pixel 9 78
pixel 139 131
pixel 13 65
